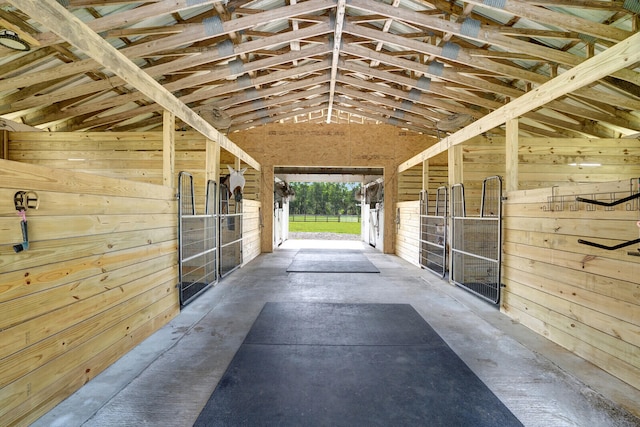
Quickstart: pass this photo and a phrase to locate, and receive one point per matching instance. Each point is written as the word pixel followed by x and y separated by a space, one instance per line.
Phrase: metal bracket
pixel 24 200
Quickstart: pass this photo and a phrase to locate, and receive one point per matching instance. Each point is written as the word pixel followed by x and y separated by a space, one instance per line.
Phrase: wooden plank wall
pixel 581 297
pixel 99 277
pixel 251 228
pixel 408 231
pixel 410 184
pixel 548 162
pixel 124 155
pixel 135 156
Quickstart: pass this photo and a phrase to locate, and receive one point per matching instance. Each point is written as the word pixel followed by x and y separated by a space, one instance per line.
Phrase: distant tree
pixel 323 198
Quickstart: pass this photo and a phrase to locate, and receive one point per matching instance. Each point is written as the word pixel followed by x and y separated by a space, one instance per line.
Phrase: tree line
pixel 324 198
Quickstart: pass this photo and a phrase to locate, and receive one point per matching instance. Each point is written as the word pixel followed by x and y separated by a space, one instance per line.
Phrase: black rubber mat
pixel 317 364
pixel 331 261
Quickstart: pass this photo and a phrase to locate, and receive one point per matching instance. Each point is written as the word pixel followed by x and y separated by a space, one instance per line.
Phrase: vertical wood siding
pixel 99 277
pixel 407 240
pixel 251 229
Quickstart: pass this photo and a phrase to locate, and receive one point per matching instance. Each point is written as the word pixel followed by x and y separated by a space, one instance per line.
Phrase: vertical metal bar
pixel 186 206
pixel 458 211
pixel 211 209
pixel 230 243
pixel 476 246
pixel 424 210
pixel 433 233
pixel 441 212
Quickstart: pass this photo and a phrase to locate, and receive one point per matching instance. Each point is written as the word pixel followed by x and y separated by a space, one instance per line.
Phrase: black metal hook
pixel 609 248
pixel 614 203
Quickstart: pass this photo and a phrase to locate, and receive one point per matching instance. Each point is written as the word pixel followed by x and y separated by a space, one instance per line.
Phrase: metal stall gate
pixel 230 232
pixel 433 232
pixel 197 237
pixel 278 216
pixel 476 245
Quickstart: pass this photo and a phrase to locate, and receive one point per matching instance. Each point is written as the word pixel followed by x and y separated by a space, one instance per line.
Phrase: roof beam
pixel 129 17
pixel 219 73
pixel 204 94
pixel 444 73
pixel 52 15
pixel 289 99
pixel 337 44
pixel 202 57
pixel 247 98
pixel 562 20
pixel 189 36
pixel 385 29
pixel 624 54
pixel 611 5
pixel 424 98
pixel 483 34
pixel 461 55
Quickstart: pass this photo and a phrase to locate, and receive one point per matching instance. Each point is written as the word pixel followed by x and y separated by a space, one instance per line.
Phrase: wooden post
pixel 425 174
pixel 455 165
pixel 267 201
pixel 212 161
pixel 455 173
pixel 4 144
pixel 168 149
pixel 511 155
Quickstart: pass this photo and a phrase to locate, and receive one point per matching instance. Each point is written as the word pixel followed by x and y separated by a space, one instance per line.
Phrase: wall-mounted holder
pixel 609 204
pixel 609 248
pixel 24 200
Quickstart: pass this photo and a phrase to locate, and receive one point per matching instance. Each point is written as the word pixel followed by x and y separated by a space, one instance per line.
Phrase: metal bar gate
pixel 198 240
pixel 476 245
pixel 433 232
pixel 230 232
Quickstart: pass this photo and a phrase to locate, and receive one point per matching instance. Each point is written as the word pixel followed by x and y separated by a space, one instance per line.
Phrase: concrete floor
pixel 167 379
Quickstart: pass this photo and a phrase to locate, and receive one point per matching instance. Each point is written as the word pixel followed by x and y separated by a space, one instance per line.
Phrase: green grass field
pixel 325 227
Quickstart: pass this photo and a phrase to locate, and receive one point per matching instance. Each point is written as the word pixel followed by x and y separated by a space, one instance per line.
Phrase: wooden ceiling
pixel 429 66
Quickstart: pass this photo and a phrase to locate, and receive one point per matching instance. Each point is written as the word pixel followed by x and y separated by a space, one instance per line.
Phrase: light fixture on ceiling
pixel 13 41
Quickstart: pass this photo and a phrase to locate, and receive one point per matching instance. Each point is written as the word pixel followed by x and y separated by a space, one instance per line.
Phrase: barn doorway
pixel 353 180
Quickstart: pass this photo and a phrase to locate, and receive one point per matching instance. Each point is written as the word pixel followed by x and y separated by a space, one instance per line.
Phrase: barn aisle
pixel 167 380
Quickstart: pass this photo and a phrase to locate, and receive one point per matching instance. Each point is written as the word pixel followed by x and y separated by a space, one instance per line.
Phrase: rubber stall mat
pixel 316 364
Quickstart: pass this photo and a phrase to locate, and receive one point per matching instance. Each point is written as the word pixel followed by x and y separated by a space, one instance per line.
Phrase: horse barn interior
pixel 498 142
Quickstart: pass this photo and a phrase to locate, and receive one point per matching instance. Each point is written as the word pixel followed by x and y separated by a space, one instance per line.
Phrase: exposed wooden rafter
pixel 408 63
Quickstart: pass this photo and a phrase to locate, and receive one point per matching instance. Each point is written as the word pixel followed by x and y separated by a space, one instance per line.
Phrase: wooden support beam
pixel 463 57
pixel 52 15
pixel 425 175
pixel 168 149
pixel 484 35
pixel 193 81
pixel 456 173
pixel 624 54
pixel 511 155
pixel 203 56
pixel 337 44
pixel 558 19
pixel 4 144
pixel 212 162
